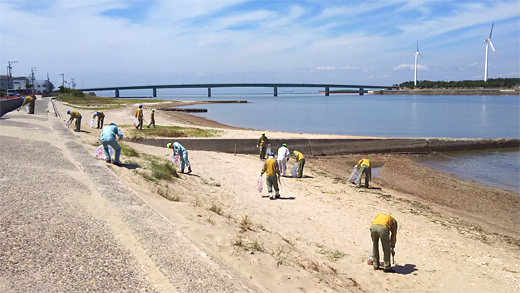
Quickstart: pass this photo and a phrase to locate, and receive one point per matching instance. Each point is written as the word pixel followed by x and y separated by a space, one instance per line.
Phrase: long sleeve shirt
pixel 139 113
pixel 283 153
pixel 99 115
pixel 364 162
pixel 109 133
pixel 27 100
pixel 270 167
pixel 178 149
pixel 299 156
pixel 388 222
pixel 263 141
pixel 74 114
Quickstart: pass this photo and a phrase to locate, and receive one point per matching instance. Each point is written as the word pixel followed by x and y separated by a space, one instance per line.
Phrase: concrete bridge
pixel 275 86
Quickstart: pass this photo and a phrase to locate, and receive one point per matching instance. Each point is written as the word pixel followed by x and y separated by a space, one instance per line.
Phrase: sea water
pixel 388 116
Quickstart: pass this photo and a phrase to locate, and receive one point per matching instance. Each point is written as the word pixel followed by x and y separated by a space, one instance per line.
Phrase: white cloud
pixel 405 66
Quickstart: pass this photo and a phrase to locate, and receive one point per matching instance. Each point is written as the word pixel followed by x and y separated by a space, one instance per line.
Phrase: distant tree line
pixel 65 90
pixel 464 84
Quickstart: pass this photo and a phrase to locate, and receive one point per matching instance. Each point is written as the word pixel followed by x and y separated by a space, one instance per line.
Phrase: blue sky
pixel 108 43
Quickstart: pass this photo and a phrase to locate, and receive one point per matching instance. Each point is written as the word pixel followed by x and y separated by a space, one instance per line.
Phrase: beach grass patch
pixel 217 209
pixel 246 223
pixel 169 131
pixel 92 102
pixel 164 171
pixel 128 151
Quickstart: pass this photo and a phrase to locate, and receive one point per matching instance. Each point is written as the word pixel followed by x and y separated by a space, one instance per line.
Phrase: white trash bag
pixel 294 171
pixel 67 124
pixel 260 184
pixel 176 160
pixel 100 152
pixel 268 151
pixel 354 176
pixel 92 123
pixel 135 122
pixel 370 257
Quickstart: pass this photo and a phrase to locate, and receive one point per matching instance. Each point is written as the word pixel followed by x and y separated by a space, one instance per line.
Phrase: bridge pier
pixel 154 92
pixel 117 93
pixel 361 91
pixel 327 91
pixel 209 92
pixel 276 91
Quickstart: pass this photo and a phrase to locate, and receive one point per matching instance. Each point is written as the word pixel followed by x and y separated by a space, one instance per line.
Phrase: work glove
pixel 256 145
pixel 393 252
pixel 355 166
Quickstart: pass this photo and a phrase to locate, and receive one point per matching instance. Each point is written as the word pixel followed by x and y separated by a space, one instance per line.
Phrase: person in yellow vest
pixel 75 115
pixel 263 142
pixel 272 173
pixel 300 159
pixel 384 227
pixel 152 119
pixel 139 116
pixel 365 169
pixel 29 100
pixel 100 119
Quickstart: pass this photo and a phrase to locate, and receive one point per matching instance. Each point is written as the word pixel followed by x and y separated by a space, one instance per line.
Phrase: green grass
pixel 108 103
pixel 163 170
pixel 128 151
pixel 168 131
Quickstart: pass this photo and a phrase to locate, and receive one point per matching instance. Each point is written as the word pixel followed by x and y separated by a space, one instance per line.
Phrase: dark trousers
pixel 139 123
pixel 152 122
pixel 100 121
pixel 78 124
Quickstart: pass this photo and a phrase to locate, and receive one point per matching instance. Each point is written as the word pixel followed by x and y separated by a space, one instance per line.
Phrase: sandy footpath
pixel 316 238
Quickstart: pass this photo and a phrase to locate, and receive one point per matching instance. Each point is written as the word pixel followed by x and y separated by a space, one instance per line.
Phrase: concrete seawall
pixel 9 105
pixel 327 147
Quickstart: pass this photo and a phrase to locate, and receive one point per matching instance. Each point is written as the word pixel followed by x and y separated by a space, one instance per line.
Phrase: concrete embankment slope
pixel 69 224
pixel 9 105
pixel 321 147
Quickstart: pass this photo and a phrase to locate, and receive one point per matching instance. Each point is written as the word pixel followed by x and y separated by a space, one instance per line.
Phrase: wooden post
pixel 235 148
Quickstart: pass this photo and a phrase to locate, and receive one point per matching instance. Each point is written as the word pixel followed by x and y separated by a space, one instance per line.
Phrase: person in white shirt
pixel 283 157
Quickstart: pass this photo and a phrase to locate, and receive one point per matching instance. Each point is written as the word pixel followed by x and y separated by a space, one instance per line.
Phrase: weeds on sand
pixel 332 255
pixel 217 209
pixel 210 220
pixel 257 246
pixel 164 171
pixel 169 131
pixel 239 241
pixel 246 223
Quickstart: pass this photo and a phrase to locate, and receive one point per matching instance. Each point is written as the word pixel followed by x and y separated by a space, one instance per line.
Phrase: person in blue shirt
pixel 108 138
pixel 183 153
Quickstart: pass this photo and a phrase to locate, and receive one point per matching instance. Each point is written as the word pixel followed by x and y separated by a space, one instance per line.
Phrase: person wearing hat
pixel 152 119
pixel 31 101
pixel 183 153
pixel 108 138
pixel 75 115
pixel 365 169
pixel 101 118
pixel 139 116
pixel 283 157
pixel 300 159
pixel 263 142
pixel 272 176
pixel 381 228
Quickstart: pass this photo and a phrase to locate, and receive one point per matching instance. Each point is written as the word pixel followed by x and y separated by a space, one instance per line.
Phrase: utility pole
pixel 63 80
pixel 9 73
pixel 33 69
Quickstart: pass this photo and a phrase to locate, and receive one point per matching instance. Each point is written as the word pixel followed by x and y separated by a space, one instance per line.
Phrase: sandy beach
pixel 454 235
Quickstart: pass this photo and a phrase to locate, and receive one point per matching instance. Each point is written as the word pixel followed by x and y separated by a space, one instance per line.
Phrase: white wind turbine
pixel 488 42
pixel 417 54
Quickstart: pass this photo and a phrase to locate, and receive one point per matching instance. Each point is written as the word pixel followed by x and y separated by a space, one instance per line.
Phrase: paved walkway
pixel 67 223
